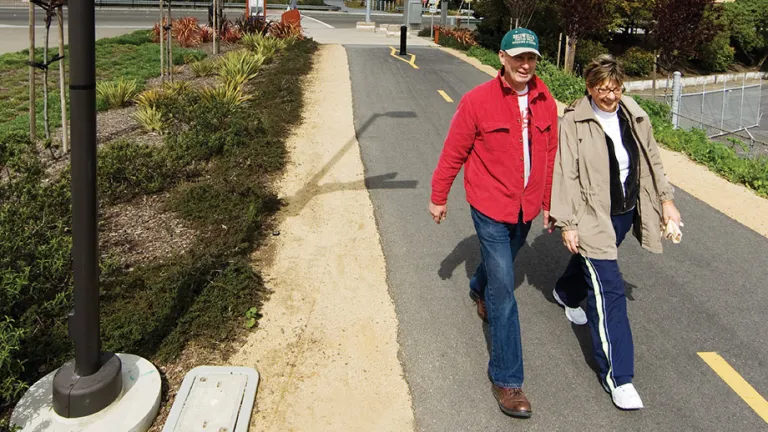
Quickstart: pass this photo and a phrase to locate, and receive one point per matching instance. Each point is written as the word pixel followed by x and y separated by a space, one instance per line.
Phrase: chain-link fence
pixel 731 108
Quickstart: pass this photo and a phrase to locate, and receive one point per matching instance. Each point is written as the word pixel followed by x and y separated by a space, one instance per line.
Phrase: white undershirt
pixel 522 101
pixel 610 123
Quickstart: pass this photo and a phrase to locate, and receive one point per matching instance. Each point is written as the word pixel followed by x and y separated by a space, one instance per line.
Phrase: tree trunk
pixel 570 54
pixel 62 74
pixel 170 42
pixel 655 68
pixel 762 60
pixel 46 124
pixel 32 111
pixel 215 28
pixel 162 45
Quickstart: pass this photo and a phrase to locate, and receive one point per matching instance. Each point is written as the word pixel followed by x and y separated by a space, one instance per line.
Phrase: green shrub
pixel 228 94
pixel 117 93
pixel 239 66
pixel 203 68
pixel 127 169
pixel 11 367
pixel 564 87
pixel 586 50
pixel 717 55
pixel 637 62
pixel 136 38
pixel 266 46
pixel 185 55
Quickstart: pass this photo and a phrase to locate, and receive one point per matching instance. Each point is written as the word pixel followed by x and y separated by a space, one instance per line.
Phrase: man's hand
pixel 669 212
pixel 438 211
pixel 549 222
pixel 571 240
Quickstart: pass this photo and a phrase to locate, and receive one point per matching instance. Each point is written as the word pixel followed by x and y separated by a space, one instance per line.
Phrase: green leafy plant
pixel 265 46
pixel 228 94
pixel 637 61
pixel 587 49
pixel 238 67
pixel 251 315
pixel 149 118
pixel 717 55
pixel 149 98
pixel 117 93
pixel 203 68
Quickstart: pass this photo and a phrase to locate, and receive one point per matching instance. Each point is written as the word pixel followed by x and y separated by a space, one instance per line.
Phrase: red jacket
pixel 486 136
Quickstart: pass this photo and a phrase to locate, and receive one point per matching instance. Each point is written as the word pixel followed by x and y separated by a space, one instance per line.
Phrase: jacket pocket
pixel 497 136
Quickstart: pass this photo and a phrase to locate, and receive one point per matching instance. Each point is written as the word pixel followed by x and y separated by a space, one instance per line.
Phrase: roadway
pixel 140 18
pixel 706 294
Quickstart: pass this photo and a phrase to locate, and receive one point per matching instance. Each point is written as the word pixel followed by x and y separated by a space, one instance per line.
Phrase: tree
pixel 748 22
pixel 580 18
pixel 634 13
pixel 521 12
pixel 495 22
pixel 682 27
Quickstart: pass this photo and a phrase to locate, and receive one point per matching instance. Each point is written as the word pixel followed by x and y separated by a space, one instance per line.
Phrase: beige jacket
pixel 581 196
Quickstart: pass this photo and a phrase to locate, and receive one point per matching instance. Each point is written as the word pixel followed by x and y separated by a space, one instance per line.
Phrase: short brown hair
pixel 604 67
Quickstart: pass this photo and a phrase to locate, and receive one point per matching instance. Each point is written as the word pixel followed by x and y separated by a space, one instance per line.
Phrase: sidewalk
pixel 325 34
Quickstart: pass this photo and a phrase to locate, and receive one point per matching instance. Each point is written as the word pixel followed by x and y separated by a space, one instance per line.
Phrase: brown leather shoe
pixel 512 401
pixel 481 312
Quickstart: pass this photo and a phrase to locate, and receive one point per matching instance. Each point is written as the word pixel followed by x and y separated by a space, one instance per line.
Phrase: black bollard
pixel 403 34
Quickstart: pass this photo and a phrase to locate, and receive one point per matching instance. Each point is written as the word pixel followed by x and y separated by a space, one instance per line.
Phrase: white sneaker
pixel 626 397
pixel 574 315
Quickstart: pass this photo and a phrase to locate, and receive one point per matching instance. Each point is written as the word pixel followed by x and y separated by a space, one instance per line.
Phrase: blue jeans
pixel 494 281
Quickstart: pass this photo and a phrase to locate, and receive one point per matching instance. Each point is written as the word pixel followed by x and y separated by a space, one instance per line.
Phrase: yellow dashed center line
pixel 737 383
pixel 445 96
pixel 411 62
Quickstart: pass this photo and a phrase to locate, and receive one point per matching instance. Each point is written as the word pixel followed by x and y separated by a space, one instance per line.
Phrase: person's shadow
pixel 540 263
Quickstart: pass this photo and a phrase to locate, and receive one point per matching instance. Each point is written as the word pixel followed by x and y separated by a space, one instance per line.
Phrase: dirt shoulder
pixel 326 347
pixel 735 201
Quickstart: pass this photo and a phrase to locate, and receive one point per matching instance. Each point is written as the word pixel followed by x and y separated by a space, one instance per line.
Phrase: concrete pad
pixel 216 398
pixel 133 411
pixel 366 26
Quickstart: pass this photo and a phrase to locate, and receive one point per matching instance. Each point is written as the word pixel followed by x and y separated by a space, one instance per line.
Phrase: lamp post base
pixel 134 410
pixel 77 396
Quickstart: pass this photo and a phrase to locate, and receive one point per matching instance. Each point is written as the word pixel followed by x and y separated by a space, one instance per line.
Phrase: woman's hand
pixel 669 212
pixel 571 240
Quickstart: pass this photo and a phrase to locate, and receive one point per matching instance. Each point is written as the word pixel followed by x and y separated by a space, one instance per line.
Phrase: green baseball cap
pixel 520 40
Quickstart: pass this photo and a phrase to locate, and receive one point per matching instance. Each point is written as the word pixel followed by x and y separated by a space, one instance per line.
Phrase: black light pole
pixel 91 381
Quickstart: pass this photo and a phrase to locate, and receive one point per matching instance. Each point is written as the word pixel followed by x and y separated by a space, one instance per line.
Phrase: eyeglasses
pixel 602 91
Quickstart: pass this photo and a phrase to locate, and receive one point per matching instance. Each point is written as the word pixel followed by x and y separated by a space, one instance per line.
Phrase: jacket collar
pixel 535 85
pixel 582 109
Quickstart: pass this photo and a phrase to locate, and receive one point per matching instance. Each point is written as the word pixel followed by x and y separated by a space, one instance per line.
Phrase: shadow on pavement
pixel 540 263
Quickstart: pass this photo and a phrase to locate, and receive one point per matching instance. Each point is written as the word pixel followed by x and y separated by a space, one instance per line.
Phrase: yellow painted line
pixel 445 96
pixel 411 62
pixel 737 383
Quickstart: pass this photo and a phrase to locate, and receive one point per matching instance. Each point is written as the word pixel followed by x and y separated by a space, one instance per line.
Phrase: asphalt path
pixel 706 294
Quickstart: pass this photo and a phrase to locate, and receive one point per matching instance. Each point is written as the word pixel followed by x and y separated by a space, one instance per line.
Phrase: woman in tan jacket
pixel 608 178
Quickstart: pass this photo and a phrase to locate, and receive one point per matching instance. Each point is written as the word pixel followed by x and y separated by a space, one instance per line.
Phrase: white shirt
pixel 610 123
pixel 522 101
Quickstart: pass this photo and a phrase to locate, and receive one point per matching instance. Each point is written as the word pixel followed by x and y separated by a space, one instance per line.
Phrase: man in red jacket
pixel 504 133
